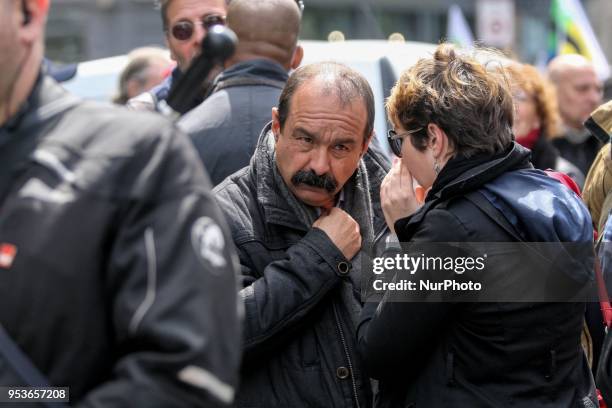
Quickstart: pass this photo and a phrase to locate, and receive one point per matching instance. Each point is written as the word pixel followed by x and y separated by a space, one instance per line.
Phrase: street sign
pixel 495 22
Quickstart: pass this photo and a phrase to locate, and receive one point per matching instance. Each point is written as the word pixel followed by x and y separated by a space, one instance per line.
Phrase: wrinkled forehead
pixel 327 87
pixel 194 8
pixel 584 75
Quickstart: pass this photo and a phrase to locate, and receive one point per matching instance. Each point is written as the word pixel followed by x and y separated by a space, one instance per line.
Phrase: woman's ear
pixel 437 140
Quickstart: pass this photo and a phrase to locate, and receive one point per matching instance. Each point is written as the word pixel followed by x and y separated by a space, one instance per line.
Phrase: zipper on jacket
pixel 348 356
pixel 379 235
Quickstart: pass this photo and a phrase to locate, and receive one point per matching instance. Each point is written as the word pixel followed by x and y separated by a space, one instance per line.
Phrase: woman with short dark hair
pixel 452 121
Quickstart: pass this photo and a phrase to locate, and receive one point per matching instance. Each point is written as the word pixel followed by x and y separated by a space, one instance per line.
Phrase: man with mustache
pixel 300 215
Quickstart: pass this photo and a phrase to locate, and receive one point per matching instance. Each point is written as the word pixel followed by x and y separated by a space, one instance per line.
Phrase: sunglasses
pixel 183 30
pixel 396 139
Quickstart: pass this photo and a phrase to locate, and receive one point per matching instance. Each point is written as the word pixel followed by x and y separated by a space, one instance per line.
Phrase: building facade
pixel 87 29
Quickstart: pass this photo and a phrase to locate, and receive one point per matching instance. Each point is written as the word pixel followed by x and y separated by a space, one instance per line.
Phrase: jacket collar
pixel 254 68
pixel 34 109
pixel 478 172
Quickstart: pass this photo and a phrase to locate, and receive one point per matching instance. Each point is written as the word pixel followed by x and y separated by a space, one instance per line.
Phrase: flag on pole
pixel 457 29
pixel 572 34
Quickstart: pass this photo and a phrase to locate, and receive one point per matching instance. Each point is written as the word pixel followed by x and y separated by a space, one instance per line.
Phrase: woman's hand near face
pixel 397 194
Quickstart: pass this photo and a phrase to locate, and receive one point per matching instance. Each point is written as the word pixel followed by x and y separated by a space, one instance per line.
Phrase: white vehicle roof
pixel 379 61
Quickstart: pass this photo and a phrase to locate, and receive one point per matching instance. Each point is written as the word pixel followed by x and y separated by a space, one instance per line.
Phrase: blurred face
pixel 11 46
pixel 526 116
pixel 154 75
pixel 185 16
pixel 579 92
pixel 321 144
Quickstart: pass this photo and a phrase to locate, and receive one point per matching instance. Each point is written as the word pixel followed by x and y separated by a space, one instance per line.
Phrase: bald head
pixel 579 91
pixel 563 65
pixel 265 29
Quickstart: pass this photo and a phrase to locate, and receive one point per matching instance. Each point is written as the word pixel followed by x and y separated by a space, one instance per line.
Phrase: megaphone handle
pixel 190 85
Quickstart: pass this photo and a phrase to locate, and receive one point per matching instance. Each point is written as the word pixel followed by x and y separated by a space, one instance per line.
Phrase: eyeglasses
pixel 183 30
pixel 396 139
pixel 300 4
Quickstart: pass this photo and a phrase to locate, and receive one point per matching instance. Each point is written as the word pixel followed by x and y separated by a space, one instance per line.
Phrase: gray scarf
pixel 357 203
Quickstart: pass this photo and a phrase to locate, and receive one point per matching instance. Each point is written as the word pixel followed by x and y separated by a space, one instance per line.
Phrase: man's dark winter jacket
pixel 226 126
pixel 121 281
pixel 485 354
pixel 545 156
pixel 299 336
pixel 579 154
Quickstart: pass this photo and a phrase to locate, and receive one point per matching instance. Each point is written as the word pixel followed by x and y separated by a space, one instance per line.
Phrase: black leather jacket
pixel 113 290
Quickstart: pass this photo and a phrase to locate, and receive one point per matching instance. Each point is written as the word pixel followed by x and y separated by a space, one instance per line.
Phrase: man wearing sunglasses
pixel 226 126
pixel 185 24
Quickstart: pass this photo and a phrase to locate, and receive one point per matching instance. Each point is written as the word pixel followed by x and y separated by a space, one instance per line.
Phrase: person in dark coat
pixel 452 122
pixel 117 273
pixel 301 215
pixel 225 127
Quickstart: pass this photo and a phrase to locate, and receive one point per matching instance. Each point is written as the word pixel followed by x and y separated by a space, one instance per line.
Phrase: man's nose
pixel 200 33
pixel 319 161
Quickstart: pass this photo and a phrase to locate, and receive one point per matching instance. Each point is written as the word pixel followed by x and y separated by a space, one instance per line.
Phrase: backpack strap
pixel 479 200
pixel 23 366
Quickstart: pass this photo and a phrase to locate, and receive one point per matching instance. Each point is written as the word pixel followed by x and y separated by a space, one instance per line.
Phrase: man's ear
pixel 34 19
pixel 366 143
pixel 276 126
pixel 298 55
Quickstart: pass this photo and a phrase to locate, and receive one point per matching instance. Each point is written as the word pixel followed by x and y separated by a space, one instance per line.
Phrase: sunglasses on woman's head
pixel 396 139
pixel 183 30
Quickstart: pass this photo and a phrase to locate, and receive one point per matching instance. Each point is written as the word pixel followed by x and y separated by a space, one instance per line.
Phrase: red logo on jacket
pixel 7 255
